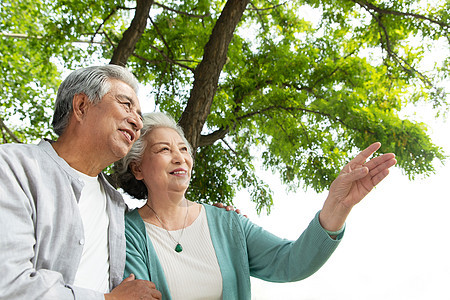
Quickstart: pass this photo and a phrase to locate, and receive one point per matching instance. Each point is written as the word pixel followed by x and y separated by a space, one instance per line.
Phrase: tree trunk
pixel 206 75
pixel 132 35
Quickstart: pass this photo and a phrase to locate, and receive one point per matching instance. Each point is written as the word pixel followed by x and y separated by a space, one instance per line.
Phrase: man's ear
pixel 136 170
pixel 80 105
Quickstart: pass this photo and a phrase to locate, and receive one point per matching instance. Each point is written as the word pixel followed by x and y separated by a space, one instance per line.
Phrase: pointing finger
pixel 366 153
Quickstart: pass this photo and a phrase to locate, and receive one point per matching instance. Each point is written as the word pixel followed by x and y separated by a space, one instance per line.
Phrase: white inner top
pixel 93 271
pixel 193 273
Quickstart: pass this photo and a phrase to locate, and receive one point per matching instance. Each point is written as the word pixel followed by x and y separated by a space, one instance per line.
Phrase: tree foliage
pixel 249 80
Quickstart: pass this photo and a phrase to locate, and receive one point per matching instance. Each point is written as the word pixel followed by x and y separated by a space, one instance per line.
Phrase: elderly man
pixel 61 223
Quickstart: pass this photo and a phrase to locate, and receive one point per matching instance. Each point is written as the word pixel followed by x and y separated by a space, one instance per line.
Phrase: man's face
pixel 115 122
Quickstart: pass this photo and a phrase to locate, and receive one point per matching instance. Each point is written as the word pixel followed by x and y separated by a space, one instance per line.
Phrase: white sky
pixel 395 246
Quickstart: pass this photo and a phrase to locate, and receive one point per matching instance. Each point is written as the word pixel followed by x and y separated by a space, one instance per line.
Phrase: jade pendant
pixel 178 248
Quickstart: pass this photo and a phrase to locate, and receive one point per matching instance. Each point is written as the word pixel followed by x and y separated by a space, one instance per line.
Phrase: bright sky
pixel 395 246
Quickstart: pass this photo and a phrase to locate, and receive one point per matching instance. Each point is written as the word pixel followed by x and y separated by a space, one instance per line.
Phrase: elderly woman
pixel 197 251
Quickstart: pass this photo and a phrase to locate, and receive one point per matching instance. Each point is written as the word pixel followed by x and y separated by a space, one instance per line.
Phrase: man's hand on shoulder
pixel 228 208
pixel 132 288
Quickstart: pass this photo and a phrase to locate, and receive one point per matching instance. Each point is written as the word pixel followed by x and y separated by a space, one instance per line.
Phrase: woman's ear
pixel 136 170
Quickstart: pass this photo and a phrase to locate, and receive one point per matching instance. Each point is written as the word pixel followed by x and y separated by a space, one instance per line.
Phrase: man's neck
pixel 79 157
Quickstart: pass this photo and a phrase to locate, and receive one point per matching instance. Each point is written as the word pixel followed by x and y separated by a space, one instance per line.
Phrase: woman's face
pixel 166 164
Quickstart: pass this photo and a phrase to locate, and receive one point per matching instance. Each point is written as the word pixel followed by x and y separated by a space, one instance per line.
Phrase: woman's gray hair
pixel 94 82
pixel 123 176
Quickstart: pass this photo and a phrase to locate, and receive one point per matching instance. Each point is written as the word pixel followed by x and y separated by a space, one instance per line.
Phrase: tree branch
pixel 206 75
pixel 296 109
pixel 166 59
pixel 206 140
pixel 229 147
pixel 258 12
pixel 161 37
pixel 26 36
pixel 332 72
pixel 109 40
pixel 103 23
pixel 369 6
pixel 409 68
pixel 132 35
pixel 394 55
pixel 267 8
pixel 9 132
pixel 182 12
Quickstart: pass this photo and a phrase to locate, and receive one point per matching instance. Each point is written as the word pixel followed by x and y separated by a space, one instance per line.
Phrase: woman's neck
pixel 169 212
pixel 167 203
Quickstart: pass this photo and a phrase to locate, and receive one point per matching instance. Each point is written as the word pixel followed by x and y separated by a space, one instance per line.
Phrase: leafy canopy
pixel 299 86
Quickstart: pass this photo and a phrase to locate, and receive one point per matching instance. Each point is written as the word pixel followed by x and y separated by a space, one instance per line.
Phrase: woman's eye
pixel 184 149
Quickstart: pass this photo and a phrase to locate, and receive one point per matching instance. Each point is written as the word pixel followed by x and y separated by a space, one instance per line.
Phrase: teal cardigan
pixel 243 249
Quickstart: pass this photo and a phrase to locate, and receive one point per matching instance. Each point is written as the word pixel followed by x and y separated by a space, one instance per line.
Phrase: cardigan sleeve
pixel 279 260
pixel 136 253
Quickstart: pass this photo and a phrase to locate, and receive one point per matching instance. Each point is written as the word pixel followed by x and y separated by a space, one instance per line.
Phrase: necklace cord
pixel 178 247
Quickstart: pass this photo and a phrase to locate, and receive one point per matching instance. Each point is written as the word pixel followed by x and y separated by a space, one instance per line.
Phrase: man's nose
pixel 136 120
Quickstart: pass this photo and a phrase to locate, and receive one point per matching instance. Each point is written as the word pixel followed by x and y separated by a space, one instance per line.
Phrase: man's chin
pixel 121 152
